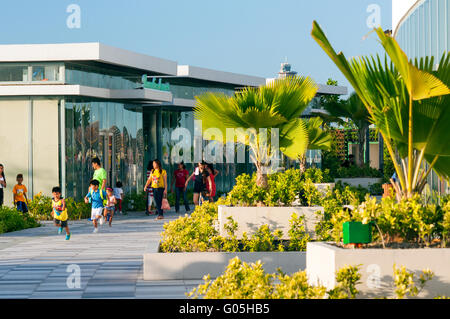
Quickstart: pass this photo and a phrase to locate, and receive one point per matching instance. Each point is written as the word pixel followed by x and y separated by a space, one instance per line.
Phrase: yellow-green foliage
pixel 198 233
pixel 297 234
pixel 405 284
pixel 347 278
pixel 240 281
pixel 191 233
pixel 296 287
pixel 409 219
pixel 13 220
pixel 249 281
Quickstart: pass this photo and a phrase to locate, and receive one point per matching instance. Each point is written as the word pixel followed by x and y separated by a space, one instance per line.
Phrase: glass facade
pixel 426 32
pixel 110 131
pixel 96 76
pixel 29 73
pixel 190 92
pixel 159 125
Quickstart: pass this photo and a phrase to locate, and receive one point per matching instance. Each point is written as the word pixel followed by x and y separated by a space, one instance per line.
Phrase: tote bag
pixel 165 204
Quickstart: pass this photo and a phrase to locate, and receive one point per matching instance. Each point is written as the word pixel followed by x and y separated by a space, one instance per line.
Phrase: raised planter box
pixel 186 266
pixel 324 259
pixel 250 219
pixel 363 181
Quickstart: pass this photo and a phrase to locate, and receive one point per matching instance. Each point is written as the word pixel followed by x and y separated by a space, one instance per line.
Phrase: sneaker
pixel 159 217
pixel 95 230
pixel 68 236
pixel 59 230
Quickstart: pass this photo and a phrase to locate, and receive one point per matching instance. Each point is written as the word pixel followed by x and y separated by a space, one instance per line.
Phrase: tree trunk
pixel 302 160
pixel 361 143
pixel 261 178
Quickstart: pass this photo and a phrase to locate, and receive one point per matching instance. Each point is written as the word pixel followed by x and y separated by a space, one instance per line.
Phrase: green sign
pixel 155 85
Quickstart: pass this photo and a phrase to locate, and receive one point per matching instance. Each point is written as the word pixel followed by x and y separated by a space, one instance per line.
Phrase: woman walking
pixel 158 182
pixel 211 185
pixel 199 185
pixel 2 183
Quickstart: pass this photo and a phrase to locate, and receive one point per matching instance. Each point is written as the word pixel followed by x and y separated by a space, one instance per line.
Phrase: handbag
pixel 165 204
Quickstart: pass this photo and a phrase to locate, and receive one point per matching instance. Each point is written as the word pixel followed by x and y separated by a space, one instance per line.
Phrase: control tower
pixel 286 70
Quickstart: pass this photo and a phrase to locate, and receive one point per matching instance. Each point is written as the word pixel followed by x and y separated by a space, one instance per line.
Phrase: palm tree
pixel 408 102
pixel 318 139
pixel 275 106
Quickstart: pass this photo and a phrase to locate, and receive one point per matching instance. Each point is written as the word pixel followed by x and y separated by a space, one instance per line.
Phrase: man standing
pixel 99 173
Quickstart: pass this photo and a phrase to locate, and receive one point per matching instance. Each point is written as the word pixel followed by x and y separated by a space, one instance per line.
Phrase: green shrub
pixel 135 202
pixel 297 234
pixel 408 220
pixel 198 232
pixel 240 281
pixel 245 192
pixel 191 233
pixel 264 240
pixel 405 284
pixel 249 281
pixel 40 207
pixel 13 220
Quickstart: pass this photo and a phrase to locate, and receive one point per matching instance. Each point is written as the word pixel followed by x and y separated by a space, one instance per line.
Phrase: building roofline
pixel 85 52
pixel 411 9
pixel 87 91
pixel 205 74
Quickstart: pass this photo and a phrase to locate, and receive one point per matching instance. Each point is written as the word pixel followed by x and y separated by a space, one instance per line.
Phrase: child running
pixel 96 197
pixel 110 206
pixel 59 212
pixel 118 194
pixel 20 195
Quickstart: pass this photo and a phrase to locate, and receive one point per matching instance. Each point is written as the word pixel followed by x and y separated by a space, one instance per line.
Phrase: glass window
pixel 45 73
pixel 442 28
pixel 13 73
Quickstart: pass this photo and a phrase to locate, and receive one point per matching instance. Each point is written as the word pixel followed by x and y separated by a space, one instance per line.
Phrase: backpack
pixel 105 201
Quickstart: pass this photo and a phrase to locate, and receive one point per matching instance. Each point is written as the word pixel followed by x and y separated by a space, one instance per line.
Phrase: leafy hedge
pixel 12 220
pixel 249 281
pixel 407 221
pixel 287 188
pixel 198 232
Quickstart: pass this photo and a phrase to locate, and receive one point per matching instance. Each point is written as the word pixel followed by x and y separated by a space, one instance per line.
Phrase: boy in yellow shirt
pixel 20 195
pixel 59 212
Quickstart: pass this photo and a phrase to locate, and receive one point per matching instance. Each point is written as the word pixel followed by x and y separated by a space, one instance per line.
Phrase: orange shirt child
pixel 19 192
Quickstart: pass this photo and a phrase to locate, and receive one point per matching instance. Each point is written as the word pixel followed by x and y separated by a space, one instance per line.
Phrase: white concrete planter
pixel 249 219
pixel 324 259
pixel 363 181
pixel 186 266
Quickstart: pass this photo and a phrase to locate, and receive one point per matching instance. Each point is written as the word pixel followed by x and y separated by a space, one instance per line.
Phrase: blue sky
pixel 243 36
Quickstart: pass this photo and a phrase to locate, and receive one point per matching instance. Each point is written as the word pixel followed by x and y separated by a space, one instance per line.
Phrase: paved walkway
pixel 34 262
